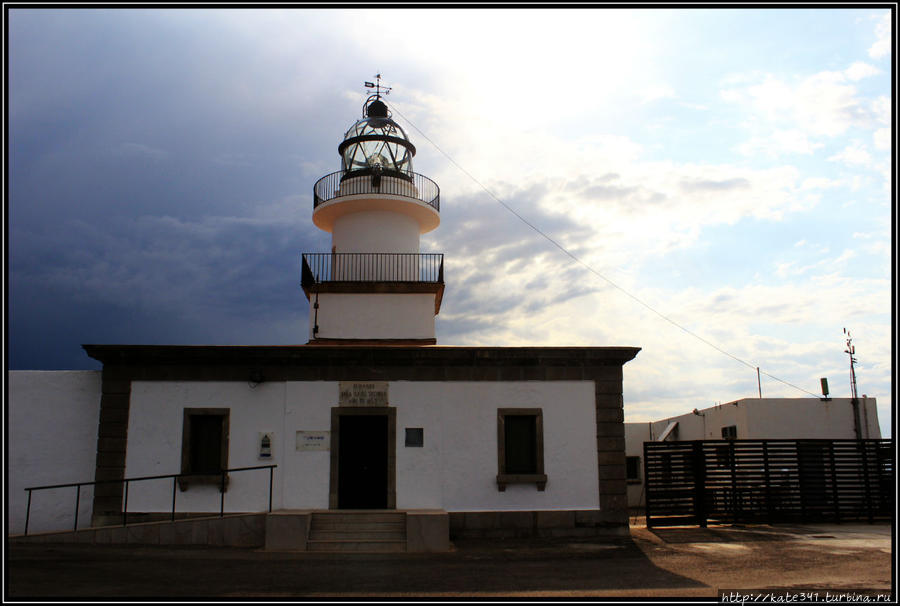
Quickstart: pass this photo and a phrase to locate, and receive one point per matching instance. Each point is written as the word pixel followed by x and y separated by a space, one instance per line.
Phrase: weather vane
pixel 379 90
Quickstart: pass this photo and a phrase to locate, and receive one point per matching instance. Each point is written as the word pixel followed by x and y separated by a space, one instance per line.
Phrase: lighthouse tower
pixel 374 286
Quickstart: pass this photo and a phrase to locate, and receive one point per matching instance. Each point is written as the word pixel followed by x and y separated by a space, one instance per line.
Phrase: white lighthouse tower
pixel 374 286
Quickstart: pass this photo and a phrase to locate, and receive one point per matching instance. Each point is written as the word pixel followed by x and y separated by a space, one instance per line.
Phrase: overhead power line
pixel 584 264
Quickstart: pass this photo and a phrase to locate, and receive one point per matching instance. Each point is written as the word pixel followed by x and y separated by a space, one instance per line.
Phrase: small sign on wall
pixel 311 441
pixel 266 444
pixel 367 393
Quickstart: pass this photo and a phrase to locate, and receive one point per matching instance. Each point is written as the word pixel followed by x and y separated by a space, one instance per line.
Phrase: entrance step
pixel 357 531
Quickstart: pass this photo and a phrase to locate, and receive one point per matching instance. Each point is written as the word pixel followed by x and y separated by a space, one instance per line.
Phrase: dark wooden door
pixel 363 462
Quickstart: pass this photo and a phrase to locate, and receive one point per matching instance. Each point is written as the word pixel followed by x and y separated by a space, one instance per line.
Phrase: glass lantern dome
pixel 376 145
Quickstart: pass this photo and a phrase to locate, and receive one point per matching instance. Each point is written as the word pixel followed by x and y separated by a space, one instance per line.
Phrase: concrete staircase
pixel 363 531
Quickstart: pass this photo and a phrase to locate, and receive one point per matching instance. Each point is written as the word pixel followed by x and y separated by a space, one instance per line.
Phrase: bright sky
pixel 730 169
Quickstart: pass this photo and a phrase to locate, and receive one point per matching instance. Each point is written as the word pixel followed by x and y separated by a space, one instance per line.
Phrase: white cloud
pixel 747 322
pixel 657 92
pixel 881 108
pixel 860 70
pixel 780 142
pixel 821 183
pixel 881 139
pixel 882 45
pixel 824 104
pixel 855 153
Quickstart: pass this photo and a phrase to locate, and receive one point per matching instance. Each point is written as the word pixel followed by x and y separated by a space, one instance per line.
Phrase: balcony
pixel 408 185
pixel 374 273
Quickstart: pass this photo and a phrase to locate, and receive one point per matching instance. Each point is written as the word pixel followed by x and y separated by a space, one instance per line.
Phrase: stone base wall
pixel 527 524
pixel 235 530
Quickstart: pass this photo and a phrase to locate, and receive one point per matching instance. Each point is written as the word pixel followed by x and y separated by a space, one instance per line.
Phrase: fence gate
pixel 693 482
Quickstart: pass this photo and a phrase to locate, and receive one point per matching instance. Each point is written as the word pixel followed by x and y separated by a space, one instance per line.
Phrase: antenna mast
pixel 851 351
pixel 854 401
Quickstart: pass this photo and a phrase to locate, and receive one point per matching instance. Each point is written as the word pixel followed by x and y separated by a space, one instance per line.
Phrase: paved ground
pixel 674 562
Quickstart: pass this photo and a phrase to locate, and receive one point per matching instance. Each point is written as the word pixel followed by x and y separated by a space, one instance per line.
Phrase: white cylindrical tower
pixel 374 285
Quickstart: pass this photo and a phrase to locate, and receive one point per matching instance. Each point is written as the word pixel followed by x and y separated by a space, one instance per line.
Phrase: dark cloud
pixel 157 280
pixel 159 182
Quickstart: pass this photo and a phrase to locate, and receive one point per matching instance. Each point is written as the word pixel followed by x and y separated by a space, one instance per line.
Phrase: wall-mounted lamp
pixel 256 377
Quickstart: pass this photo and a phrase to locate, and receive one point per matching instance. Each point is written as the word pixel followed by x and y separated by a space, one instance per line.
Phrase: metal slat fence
pixel 692 482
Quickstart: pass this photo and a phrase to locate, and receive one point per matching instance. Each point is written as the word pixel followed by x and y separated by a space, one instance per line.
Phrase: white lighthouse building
pixel 374 285
pixel 369 437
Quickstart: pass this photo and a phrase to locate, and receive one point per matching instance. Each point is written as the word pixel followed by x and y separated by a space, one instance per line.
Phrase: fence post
pixel 125 508
pixel 835 493
pixel 735 497
pixel 801 479
pixel 862 445
pixel 648 517
pixel 222 500
pixel 698 465
pixel 174 483
pixel 765 450
pixel 28 512
pixel 271 470
pixel 77 503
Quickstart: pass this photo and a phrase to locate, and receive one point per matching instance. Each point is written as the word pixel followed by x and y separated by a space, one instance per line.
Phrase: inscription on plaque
pixel 313 440
pixel 370 393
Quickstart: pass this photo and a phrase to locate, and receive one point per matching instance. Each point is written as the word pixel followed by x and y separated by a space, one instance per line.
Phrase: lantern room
pixel 376 144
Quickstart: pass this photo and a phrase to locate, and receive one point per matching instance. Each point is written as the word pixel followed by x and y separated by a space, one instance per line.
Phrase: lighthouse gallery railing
pixel 412 185
pixel 319 268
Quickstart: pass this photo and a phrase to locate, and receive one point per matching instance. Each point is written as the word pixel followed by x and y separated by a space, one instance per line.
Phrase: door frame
pixel 384 411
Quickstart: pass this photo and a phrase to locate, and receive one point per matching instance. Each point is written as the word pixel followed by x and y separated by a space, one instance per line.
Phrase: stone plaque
pixel 313 440
pixel 367 393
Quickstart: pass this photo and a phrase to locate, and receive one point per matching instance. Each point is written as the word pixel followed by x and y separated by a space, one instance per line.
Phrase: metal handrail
pixel 174 476
pixel 372 267
pixel 412 185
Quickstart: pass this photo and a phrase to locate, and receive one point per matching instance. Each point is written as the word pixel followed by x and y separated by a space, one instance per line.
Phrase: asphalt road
pixel 675 562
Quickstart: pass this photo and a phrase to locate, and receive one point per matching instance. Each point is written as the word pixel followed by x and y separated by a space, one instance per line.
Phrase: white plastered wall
pixel 52 439
pixel 155 426
pixel 375 232
pixel 812 418
pixel 635 436
pixel 455 469
pixel 466 448
pixel 373 316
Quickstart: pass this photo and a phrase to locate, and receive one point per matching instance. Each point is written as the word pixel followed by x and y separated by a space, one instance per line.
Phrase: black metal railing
pixel 372 267
pixel 412 185
pixel 175 477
